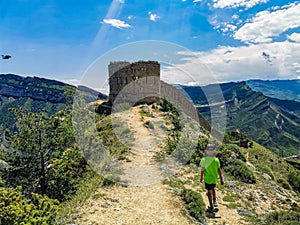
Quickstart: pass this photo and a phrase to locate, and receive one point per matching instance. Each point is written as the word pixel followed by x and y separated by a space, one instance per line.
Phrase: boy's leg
pixel 214 196
pixel 210 198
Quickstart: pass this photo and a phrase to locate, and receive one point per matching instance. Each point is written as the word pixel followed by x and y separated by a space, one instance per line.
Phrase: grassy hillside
pixel 255 115
pixel 36 95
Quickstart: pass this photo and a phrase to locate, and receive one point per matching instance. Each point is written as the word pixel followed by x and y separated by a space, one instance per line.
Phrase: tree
pixel 33 141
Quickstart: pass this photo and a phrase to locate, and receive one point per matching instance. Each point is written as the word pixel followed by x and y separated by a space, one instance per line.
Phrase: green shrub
pixel 172 141
pixel 266 169
pixel 145 113
pixel 284 183
pixel 294 181
pixel 65 174
pixel 15 209
pixel 239 169
pixel 225 156
pixel 194 204
pixel 231 198
pixel 283 218
pixel 239 154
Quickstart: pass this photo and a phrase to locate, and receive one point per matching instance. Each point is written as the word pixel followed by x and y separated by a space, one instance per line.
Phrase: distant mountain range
pixel 266 111
pixel 272 122
pixel 37 95
pixel 280 89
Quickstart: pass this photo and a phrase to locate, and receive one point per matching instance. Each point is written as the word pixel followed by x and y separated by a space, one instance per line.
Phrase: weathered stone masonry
pixel 143 78
pixel 139 82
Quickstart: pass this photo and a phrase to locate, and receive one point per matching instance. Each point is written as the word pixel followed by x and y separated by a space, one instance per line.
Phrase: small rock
pixel 266 176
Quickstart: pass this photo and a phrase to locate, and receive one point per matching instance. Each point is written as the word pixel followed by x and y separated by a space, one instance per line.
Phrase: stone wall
pixel 145 74
pixel 139 82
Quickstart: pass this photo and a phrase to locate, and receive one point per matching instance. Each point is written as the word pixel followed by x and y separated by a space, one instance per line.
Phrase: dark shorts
pixel 209 186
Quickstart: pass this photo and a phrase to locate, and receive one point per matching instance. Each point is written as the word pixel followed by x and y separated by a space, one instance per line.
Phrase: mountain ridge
pixel 280 89
pixel 261 118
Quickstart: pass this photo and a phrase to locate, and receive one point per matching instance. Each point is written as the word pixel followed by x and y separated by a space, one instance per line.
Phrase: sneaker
pixel 215 203
pixel 209 209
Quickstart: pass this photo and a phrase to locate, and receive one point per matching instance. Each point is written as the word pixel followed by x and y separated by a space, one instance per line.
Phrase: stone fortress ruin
pixel 140 78
pixel 139 83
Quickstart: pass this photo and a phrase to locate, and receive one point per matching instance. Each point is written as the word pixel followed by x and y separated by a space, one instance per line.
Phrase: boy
pixel 210 170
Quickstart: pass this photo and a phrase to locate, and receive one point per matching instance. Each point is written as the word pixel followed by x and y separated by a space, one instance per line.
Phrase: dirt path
pixel 228 216
pixel 145 200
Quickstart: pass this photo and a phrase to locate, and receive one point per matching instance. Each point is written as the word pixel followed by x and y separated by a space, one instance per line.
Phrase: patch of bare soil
pixel 228 216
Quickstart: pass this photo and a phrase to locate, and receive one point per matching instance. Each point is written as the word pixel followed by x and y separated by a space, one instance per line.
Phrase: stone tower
pixel 134 79
pixel 139 82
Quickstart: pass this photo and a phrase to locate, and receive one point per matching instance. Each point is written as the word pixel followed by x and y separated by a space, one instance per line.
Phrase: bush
pixel 284 183
pixel 15 209
pixel 194 204
pixel 65 174
pixel 266 169
pixel 225 156
pixel 240 171
pixel 294 181
pixel 237 151
pixel 283 218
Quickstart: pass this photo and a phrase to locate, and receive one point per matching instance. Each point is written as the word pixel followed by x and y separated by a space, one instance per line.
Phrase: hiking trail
pixel 144 199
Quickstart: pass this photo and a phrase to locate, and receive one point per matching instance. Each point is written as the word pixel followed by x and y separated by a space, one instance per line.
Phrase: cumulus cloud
pixel 294 37
pixel 279 60
pixel 266 25
pixel 117 23
pixel 237 3
pixel 153 17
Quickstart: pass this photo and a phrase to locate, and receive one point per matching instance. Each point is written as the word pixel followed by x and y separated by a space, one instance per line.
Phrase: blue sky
pixel 230 40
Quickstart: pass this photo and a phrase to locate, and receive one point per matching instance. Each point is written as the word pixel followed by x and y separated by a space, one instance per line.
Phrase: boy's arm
pixel 201 174
pixel 220 176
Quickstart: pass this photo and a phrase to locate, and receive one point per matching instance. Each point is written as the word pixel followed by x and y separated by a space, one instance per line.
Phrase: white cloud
pixel 153 17
pixel 117 23
pixel 279 60
pixel 228 27
pixel 197 1
pixel 294 37
pixel 266 25
pixel 237 3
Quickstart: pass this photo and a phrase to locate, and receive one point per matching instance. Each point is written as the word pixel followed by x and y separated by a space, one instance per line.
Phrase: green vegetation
pixel 194 203
pixel 266 169
pixel 283 218
pixel 239 169
pixel 40 157
pixel 284 183
pixel 231 198
pixel 294 180
pixel 286 175
pixel 32 146
pixel 65 174
pixel 16 209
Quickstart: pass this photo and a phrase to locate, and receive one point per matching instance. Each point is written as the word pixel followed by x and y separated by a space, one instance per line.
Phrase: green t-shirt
pixel 211 165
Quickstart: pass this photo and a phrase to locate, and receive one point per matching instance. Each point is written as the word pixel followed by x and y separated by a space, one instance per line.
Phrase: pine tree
pixel 33 142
